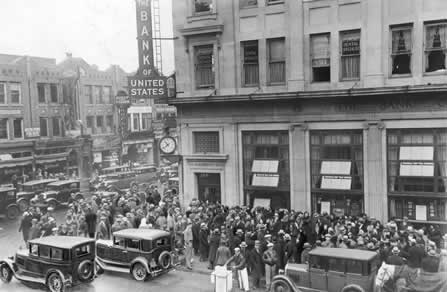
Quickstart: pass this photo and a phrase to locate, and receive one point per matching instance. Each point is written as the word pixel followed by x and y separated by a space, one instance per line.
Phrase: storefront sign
pixel 421 212
pixel 270 166
pixel 32 132
pixel 264 203
pixel 144 31
pixel 265 180
pixel 147 87
pixel 325 207
pixel 97 157
pixel 336 167
pixel 122 100
pixel 336 182
pixel 424 169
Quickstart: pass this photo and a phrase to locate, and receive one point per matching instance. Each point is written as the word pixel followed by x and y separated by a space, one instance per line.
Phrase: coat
pixel 203 243
pixel 223 254
pixel 195 236
pixel 257 265
pixel 214 245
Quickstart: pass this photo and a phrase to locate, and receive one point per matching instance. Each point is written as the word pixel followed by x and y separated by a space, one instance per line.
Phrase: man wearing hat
pixel 430 263
pixel 257 264
pixel 25 225
pixel 240 266
pixel 305 253
pixel 187 235
pixel 103 232
pixel 223 253
pixel 394 258
pixel 214 245
pixel 203 242
pixel 270 259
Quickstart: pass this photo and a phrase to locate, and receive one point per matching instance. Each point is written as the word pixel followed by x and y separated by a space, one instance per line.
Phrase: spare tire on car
pixel 86 271
pixel 165 260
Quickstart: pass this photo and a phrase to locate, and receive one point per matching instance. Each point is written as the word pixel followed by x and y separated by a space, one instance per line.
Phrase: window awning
pixel 336 182
pixel 268 166
pixel 425 169
pixel 336 167
pixel 416 153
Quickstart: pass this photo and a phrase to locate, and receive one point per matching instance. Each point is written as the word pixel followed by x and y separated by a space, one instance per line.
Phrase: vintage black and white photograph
pixel 223 145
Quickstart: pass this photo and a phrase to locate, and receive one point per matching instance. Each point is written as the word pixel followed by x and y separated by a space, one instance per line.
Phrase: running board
pixel 111 268
pixel 26 278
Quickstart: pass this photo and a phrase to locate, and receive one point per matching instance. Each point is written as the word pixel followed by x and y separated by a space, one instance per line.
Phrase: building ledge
pixel 206 157
pixel 202 29
pixel 319 94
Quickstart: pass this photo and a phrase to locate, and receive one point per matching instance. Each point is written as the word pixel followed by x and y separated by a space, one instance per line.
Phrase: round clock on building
pixel 167 145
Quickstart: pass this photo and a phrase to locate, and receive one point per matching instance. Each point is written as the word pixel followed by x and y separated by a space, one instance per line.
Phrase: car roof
pixel 134 233
pixel 62 241
pixel 38 181
pixel 6 189
pixel 63 182
pixel 343 253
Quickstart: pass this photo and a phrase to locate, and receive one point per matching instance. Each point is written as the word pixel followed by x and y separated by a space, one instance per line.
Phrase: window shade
pixel 336 167
pixel 270 166
pixel 276 50
pixel 320 50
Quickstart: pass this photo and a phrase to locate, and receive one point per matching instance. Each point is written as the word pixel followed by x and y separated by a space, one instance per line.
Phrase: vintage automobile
pixel 57 193
pixel 29 189
pixel 57 262
pixel 331 270
pixel 8 202
pixel 141 252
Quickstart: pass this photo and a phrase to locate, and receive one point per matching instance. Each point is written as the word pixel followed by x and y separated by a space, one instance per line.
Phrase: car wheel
pixel 353 288
pixel 55 283
pixel 85 271
pixel 23 205
pixel 139 272
pixel 12 212
pixel 165 260
pixel 280 286
pixel 5 273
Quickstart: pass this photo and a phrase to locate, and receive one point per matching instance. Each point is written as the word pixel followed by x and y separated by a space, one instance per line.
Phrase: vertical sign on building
pixel 144 37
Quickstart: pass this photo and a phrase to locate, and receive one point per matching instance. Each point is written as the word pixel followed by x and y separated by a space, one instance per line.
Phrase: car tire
pixel 23 205
pixel 55 283
pixel 352 288
pixel 12 212
pixel 85 271
pixel 139 272
pixel 165 260
pixel 280 286
pixel 5 273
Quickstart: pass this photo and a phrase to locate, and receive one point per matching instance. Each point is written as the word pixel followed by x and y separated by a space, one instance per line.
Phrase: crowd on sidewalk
pixel 256 242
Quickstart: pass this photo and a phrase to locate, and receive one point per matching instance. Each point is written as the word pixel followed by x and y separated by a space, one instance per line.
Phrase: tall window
pixel 56 126
pixel 97 94
pixel 145 121
pixel 18 130
pixel 89 94
pixel 136 122
pixel 337 172
pixel 435 46
pixel 206 142
pixel 99 123
pixel 350 55
pixel 202 6
pixel 2 93
pixel 3 128
pixel 276 61
pixel 417 166
pixel 15 92
pixel 90 126
pixel 107 93
pixel 41 92
pixel 53 92
pixel 204 66
pixel 248 3
pixel 250 63
pixel 321 57
pixel 109 122
pixel 401 49
pixel 208 185
pixel 43 127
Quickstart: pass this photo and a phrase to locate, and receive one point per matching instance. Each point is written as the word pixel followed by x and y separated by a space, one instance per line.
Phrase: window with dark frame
pixel 41 92
pixel 250 63
pixel 209 187
pixel 89 94
pixel 145 121
pixel 401 47
pixel 90 122
pixel 53 93
pixel 15 92
pixel 337 171
pixel 109 123
pixel 203 6
pixel 204 66
pixel 56 126
pixel 100 123
pixel 435 46
pixel 417 173
pixel 248 3
pixel 136 122
pixel 276 61
pixel 2 93
pixel 206 142
pixel 350 55
pixel 43 127
pixel 321 57
pixel 18 128
pixel 3 128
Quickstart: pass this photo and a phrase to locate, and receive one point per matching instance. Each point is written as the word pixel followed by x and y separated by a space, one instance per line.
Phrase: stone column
pixel 299 168
pixel 375 182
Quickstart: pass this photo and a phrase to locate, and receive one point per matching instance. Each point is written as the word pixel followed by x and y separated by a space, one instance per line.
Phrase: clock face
pixel 168 145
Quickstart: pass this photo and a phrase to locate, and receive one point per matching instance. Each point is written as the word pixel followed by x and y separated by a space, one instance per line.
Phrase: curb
pixel 194 271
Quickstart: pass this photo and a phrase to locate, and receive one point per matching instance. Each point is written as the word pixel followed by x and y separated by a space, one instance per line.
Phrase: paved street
pixel 11 239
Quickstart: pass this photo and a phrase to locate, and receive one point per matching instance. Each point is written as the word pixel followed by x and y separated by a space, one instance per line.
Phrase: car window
pixel 337 265
pixel 160 242
pixel 44 252
pixel 133 244
pixel 10 194
pixel 34 249
pixel 56 254
pixel 146 245
pixel 119 241
pixel 82 250
pixel 354 267
pixel 317 262
pixel 73 186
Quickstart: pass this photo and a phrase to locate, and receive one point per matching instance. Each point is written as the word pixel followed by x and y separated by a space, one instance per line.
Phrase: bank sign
pixel 148 87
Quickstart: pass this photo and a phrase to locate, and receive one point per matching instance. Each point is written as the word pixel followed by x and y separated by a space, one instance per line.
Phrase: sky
pixel 102 32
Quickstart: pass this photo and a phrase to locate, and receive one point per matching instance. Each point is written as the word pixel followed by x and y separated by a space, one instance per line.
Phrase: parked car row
pixel 60 262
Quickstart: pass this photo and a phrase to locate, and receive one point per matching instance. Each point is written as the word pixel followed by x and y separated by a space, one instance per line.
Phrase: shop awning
pixel 10 164
pixel 51 158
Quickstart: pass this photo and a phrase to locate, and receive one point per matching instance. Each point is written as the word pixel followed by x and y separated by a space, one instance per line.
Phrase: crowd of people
pixel 255 242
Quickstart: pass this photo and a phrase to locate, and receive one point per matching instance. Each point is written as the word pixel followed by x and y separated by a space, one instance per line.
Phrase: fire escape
pixel 157 35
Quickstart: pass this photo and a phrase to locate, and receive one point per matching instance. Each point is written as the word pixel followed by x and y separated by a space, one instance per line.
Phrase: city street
pixel 11 239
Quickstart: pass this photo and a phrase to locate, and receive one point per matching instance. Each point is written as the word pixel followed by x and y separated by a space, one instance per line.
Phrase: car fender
pixel 22 199
pixel 286 279
pixel 11 264
pixel 65 280
pixel 142 261
pixel 12 205
pixel 51 200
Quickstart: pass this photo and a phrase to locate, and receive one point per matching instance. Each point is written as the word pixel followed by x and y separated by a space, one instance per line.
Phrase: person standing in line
pixel 90 219
pixel 34 231
pixel 25 225
pixel 187 233
pixel 223 254
pixel 256 264
pixel 240 267
pixel 270 259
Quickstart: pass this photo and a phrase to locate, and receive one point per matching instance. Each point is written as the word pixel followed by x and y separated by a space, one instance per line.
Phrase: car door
pixel 118 252
pixel 33 263
pixel 64 193
pixel 336 278
pixel 133 249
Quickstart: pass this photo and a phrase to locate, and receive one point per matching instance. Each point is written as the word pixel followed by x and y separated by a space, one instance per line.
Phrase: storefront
pixel 140 151
pixel 209 188
pixel 266 167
